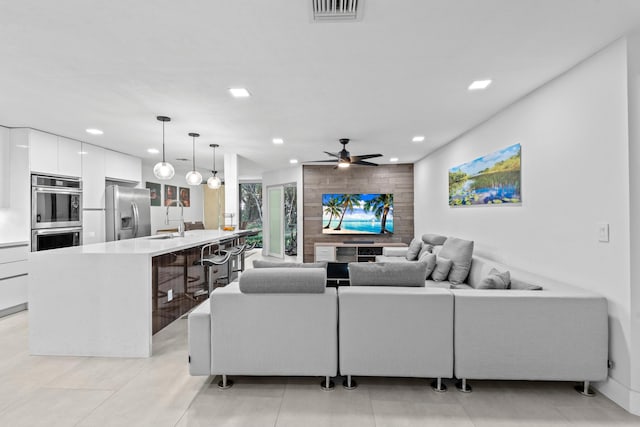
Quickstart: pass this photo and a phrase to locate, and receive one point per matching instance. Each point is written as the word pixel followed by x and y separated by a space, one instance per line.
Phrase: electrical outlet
pixel 610 364
pixel 170 295
pixel 603 232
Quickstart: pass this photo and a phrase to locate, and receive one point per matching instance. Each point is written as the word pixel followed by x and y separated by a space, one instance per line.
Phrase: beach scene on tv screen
pixel 357 213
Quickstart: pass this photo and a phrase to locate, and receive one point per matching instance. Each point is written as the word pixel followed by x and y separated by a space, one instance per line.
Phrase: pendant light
pixel 163 170
pixel 193 176
pixel 214 182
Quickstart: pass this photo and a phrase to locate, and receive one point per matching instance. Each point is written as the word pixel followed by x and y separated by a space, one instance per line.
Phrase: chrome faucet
pixel 181 220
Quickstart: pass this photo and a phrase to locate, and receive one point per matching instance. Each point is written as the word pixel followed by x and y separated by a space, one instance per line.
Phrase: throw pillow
pixel 520 285
pixel 459 251
pixel 260 263
pixel 430 260
pixel 434 239
pixel 496 280
pixel 387 273
pixel 443 266
pixel 414 249
pixel 426 249
pixel 283 281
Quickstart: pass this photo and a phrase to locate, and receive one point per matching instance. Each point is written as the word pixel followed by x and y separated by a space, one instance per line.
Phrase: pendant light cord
pixel 163 159
pixel 194 153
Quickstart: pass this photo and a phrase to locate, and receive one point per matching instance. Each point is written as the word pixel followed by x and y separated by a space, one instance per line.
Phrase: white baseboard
pixel 620 394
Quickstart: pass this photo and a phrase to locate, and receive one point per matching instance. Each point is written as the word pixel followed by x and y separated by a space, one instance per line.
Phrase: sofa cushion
pixel 460 286
pixel 285 280
pixel 384 258
pixel 441 272
pixel 521 285
pixel 414 249
pixel 496 280
pixel 434 239
pixel 387 274
pixel 459 251
pixel 259 263
pixel 395 251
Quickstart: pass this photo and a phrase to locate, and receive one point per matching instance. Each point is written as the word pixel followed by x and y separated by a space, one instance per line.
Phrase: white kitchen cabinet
pixel 69 157
pixel 93 226
pixel 122 167
pixel 13 277
pixel 43 149
pixel 93 175
pixel 54 155
pixel 5 167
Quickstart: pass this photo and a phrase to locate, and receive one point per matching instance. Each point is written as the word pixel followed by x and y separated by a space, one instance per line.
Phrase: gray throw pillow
pixel 434 239
pixel 283 281
pixel 426 249
pixel 430 260
pixel 414 249
pixel 459 251
pixel 520 285
pixel 387 273
pixel 443 266
pixel 260 263
pixel 495 280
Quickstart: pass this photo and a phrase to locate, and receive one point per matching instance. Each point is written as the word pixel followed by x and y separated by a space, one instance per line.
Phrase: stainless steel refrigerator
pixel 128 212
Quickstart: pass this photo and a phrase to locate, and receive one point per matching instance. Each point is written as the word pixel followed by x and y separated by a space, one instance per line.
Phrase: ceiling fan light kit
pixel 194 177
pixel 163 170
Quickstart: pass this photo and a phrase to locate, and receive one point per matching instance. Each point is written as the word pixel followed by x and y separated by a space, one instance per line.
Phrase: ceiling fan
pixel 345 159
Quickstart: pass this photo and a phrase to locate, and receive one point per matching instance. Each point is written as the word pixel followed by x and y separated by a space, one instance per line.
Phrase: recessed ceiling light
pixel 393 159
pixel 479 84
pixel 278 141
pixel 418 138
pixel 94 131
pixel 22 146
pixel 82 153
pixel 153 150
pixel 239 92
pixel 293 161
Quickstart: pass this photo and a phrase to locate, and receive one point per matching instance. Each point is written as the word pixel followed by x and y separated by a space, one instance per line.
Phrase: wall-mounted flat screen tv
pixel 357 213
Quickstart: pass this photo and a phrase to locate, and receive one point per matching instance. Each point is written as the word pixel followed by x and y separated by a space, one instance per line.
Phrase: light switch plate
pixel 170 295
pixel 603 232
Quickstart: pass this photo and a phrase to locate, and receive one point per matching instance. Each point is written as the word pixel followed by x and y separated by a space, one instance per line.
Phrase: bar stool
pixel 212 260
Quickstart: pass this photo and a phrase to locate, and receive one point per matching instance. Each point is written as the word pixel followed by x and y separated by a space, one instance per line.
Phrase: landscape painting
pixel 357 213
pixel 493 179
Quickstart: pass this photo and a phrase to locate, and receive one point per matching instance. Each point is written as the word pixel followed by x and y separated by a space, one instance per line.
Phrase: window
pixel 251 210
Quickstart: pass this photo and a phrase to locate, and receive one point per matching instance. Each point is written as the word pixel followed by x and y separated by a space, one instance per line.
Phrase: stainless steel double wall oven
pixel 56 212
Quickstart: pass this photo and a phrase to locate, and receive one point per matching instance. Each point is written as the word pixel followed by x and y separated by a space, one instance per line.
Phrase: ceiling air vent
pixel 335 10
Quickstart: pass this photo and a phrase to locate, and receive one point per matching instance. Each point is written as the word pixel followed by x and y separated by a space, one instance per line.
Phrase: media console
pixel 338 255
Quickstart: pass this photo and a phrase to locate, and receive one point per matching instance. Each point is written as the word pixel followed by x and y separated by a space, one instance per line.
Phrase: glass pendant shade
pixel 163 170
pixel 214 182
pixel 194 177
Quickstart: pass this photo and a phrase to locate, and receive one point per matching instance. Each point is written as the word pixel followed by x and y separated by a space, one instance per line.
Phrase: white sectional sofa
pixel 393 322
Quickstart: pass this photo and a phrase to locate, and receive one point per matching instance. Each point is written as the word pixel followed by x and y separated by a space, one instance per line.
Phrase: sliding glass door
pixel 275 198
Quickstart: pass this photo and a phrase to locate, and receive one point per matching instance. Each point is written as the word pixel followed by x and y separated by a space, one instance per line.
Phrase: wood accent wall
pixel 319 180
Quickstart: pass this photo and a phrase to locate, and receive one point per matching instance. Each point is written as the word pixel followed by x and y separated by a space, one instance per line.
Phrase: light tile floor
pixel 92 391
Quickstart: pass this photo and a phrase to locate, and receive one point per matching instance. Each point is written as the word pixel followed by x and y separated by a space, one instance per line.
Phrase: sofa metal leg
pixel 327 384
pixel 349 383
pixel 438 385
pixel 463 386
pixel 584 389
pixel 225 383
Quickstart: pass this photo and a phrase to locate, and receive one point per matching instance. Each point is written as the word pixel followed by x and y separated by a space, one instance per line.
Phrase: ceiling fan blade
pixel 320 161
pixel 362 162
pixel 332 154
pixel 364 157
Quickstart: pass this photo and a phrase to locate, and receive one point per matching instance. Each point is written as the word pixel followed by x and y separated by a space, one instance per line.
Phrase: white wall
pixel 575 174
pixel 193 213
pixel 280 177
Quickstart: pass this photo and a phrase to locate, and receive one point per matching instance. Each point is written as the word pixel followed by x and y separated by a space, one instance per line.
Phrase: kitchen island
pixel 104 299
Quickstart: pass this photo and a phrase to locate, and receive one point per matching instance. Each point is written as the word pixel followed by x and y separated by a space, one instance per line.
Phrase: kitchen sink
pixel 161 237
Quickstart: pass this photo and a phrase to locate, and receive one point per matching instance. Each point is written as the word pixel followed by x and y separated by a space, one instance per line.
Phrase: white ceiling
pixel 403 70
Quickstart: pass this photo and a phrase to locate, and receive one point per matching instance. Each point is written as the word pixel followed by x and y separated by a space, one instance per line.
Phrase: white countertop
pixel 151 245
pixel 8 244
